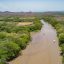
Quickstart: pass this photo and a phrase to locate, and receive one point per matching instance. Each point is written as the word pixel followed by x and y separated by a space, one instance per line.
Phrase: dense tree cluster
pixel 36 26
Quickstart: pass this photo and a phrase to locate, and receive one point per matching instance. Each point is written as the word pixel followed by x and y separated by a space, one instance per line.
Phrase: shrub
pixel 62 48
pixel 36 26
pixel 9 50
pixel 61 38
pixel 3 35
pixel 12 49
pixel 63 60
pixel 59 28
pixel 2 61
pixel 3 52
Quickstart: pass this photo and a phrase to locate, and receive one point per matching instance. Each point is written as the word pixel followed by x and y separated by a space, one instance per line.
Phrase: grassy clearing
pixel 24 23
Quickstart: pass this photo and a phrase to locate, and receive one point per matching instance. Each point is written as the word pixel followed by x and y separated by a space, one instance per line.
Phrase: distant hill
pixel 7 13
pixel 54 13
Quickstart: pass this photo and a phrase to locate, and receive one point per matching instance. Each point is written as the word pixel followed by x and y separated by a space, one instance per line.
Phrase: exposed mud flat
pixel 42 49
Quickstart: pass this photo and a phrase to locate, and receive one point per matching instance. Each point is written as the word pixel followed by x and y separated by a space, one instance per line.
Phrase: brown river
pixel 43 49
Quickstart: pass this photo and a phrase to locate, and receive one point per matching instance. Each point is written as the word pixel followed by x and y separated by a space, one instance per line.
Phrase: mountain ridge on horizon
pixel 30 13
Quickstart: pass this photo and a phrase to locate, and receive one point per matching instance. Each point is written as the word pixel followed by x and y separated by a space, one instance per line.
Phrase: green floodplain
pixel 14 37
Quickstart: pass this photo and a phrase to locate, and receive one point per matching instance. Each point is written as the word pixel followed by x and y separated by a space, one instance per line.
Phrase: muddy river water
pixel 43 49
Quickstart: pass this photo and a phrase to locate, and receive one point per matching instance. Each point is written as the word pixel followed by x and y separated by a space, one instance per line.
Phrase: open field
pixel 24 23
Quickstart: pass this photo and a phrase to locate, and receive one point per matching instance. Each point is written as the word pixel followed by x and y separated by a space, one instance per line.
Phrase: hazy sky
pixel 32 5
